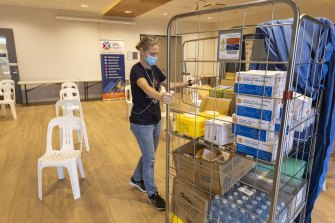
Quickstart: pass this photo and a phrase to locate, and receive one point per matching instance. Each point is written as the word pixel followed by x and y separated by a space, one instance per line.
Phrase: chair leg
pixel 73 172
pixel 12 107
pixel 87 145
pixel 60 137
pixel 39 176
pixel 3 108
pixel 79 135
pixel 60 171
pixel 81 168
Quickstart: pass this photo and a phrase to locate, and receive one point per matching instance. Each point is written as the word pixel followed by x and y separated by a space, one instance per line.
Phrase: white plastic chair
pixel 67 157
pixel 69 93
pixel 68 110
pixel 7 82
pixel 67 85
pixel 10 82
pixel 7 91
pixel 129 100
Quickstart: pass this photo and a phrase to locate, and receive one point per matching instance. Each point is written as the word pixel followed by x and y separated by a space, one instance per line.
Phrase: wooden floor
pixel 106 195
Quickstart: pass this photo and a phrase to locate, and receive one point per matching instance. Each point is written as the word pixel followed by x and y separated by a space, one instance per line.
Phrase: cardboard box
pixel 214 177
pixel 260 82
pixel 257 112
pixel 189 203
pixel 220 105
pixel 232 107
pixel 222 92
pixel 219 132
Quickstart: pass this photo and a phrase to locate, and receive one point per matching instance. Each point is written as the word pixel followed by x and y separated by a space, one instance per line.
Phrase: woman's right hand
pixel 167 97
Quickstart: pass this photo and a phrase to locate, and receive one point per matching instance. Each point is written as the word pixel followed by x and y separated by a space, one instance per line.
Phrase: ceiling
pixel 165 11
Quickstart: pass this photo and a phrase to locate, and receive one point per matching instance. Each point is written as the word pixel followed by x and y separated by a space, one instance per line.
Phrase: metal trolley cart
pixel 250 162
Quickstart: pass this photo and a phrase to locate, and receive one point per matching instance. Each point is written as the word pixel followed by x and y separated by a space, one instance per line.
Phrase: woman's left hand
pixel 196 80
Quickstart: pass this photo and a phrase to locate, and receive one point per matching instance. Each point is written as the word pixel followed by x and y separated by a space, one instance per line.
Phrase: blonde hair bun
pixel 146 42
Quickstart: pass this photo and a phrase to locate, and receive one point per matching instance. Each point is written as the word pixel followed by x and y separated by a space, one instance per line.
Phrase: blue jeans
pixel 147 137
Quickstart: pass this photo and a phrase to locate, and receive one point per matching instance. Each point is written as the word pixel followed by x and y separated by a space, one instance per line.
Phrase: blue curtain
pixel 311 44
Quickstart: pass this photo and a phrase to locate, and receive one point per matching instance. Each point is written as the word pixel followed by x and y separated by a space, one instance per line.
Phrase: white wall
pixel 49 49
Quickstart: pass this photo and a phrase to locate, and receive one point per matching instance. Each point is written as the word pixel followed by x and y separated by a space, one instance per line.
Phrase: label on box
pixel 246 191
pixel 255 123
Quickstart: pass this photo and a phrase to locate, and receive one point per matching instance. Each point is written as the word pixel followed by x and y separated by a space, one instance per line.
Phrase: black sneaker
pixel 157 201
pixel 138 184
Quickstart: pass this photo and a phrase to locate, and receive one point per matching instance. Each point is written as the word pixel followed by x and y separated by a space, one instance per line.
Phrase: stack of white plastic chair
pixel 163 114
pixel 68 110
pixel 69 90
pixel 67 85
pixel 129 100
pixel 66 157
pixel 7 92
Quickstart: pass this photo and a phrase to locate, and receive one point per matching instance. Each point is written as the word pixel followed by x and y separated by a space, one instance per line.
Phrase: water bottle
pixel 222 217
pixel 249 208
pixel 245 199
pixel 265 212
pixel 236 195
pixel 268 203
pixel 253 219
pixel 233 212
pixel 231 199
pixel 239 203
pixel 243 217
pixel 264 197
pixel 258 199
pixel 254 204
pixel 215 205
pixel 225 208
pixel 259 212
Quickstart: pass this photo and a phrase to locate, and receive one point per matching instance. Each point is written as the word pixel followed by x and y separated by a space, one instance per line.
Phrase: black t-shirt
pixel 146 110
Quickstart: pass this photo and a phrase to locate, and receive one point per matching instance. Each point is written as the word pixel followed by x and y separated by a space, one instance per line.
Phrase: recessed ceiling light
pixel 127 12
pixel 84 5
pixel 165 13
pixel 209 17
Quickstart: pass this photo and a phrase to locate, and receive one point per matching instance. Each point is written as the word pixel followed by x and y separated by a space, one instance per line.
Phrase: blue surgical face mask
pixel 151 60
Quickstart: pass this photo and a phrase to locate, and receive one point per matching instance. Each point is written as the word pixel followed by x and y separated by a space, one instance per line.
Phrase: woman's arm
pixel 182 84
pixel 166 98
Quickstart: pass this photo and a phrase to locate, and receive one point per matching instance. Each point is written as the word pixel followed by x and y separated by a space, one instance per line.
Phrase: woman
pixel 145 119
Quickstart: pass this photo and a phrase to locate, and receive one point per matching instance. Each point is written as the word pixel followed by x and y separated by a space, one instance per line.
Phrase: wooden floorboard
pixel 106 195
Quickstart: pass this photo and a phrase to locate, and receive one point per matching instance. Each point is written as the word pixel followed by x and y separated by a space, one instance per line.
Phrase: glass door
pixel 8 61
pixel 4 61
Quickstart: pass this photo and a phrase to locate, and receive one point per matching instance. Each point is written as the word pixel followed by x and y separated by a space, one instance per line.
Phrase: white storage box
pixel 301 106
pixel 253 133
pixel 219 132
pixel 262 150
pixel 260 82
pixel 257 112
